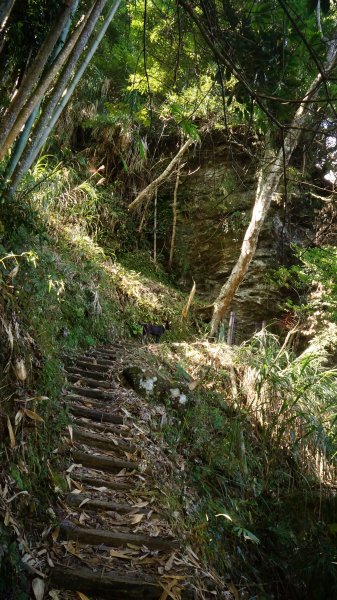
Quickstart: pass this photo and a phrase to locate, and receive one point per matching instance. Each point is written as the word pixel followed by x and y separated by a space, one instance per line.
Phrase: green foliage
pixel 12 577
pixel 259 508
pixel 313 279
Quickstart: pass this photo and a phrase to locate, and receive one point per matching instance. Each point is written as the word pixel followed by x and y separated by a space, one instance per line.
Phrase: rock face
pixel 214 206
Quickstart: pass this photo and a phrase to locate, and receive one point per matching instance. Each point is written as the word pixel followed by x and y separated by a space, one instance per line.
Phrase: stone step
pixel 102 462
pixel 114 538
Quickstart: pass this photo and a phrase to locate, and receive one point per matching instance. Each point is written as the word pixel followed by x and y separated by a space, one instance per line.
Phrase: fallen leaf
pixel 84 502
pixel 32 415
pixel 49 561
pixel 18 417
pixel 11 433
pixel 20 369
pixel 141 504
pixel 70 469
pixel 169 563
pixel 136 518
pixel 82 596
pixel 116 554
pixel 168 593
pixel 54 595
pixel 38 588
pixel 13 272
pixel 55 534
pixel 70 429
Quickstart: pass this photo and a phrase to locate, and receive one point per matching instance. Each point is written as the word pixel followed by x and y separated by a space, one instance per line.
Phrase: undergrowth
pixel 61 292
pixel 259 443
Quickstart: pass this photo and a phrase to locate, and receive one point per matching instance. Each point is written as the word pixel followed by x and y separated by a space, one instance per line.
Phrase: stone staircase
pixel 112 540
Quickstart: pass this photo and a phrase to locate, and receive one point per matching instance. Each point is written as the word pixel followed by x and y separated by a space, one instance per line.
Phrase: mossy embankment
pixel 60 293
pixel 253 445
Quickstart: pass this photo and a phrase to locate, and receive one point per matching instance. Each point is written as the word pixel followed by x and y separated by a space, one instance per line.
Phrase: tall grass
pixel 293 401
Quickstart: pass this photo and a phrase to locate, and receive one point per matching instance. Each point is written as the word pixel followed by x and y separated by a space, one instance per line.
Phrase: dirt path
pixel 113 540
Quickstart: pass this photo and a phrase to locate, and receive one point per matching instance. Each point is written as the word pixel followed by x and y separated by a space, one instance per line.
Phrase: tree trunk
pixel 52 112
pixel 32 77
pixel 151 188
pixel 32 105
pixel 5 11
pixel 23 139
pixel 155 228
pixel 269 179
pixel 174 223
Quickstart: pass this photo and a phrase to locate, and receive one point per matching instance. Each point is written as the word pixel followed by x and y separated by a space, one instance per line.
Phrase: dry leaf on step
pixel 54 595
pixel 136 518
pixel 55 533
pixel 82 596
pixel 169 563
pixel 84 502
pixel 38 588
pixel 116 554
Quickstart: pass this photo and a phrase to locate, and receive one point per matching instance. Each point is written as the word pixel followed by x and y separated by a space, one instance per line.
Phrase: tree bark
pixel 35 100
pixel 269 179
pixel 151 188
pixel 155 227
pixel 53 110
pixel 5 11
pixel 174 223
pixel 32 77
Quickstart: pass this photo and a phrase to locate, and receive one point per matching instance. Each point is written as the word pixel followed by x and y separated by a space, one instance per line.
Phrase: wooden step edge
pixel 90 365
pixel 98 483
pixel 95 503
pixel 96 415
pixel 97 375
pixel 95 383
pixel 92 392
pixel 118 430
pixel 97 360
pixel 108 584
pixel 113 538
pixel 94 439
pixel 102 354
pixel 101 462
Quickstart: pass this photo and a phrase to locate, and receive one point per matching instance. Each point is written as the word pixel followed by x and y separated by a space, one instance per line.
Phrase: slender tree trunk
pixel 23 139
pixel 42 88
pixel 32 77
pixel 5 11
pixel 155 228
pixel 174 222
pixel 52 111
pixel 269 179
pixel 150 189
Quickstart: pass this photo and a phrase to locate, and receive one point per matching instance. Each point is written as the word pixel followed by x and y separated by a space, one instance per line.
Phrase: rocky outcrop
pixel 215 198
